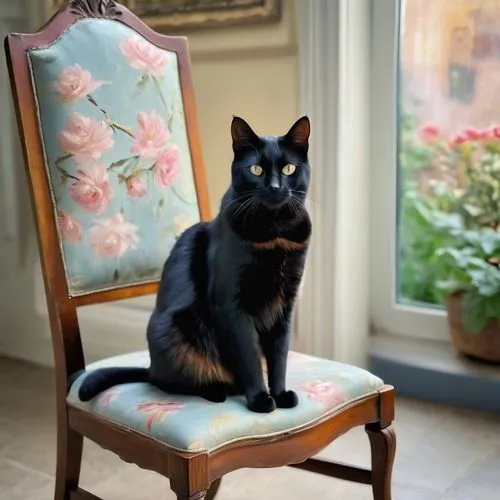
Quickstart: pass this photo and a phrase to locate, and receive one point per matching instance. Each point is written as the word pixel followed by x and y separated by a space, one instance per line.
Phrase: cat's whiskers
pixel 251 209
pixel 237 200
pixel 242 207
pixel 255 207
pixel 297 203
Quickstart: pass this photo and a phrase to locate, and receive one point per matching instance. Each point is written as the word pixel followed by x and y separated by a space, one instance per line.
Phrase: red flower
pixel 486 134
pixel 495 131
pixel 472 133
pixel 428 133
pixel 458 139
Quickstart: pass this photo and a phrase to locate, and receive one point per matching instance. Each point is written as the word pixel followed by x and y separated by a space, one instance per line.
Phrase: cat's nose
pixel 274 187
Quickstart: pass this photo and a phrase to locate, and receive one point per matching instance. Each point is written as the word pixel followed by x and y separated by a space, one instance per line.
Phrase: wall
pixel 252 72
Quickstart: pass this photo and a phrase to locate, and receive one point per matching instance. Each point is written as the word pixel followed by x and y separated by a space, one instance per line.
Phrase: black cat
pixel 228 287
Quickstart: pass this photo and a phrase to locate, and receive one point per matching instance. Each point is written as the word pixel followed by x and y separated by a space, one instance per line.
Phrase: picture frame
pixel 170 16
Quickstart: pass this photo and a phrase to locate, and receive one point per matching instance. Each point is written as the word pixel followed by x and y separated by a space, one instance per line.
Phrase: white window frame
pixel 387 314
pixel 332 314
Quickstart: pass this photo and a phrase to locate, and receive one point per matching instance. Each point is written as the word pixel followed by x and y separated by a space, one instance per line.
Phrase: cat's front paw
pixel 262 403
pixel 286 399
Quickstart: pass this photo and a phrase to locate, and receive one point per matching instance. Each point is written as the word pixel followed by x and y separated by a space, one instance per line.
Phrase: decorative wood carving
pixel 95 8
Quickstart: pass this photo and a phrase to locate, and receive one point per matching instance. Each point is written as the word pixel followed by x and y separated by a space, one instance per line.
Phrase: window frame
pixel 387 315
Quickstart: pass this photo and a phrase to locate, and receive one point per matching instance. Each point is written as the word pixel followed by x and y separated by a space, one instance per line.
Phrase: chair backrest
pixel 106 114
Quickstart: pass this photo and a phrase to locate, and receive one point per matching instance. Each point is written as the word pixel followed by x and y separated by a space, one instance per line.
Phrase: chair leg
pixel 383 450
pixel 212 492
pixel 198 496
pixel 69 460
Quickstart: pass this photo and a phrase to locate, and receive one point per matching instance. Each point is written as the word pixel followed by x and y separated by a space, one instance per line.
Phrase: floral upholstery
pixel 117 154
pixel 194 424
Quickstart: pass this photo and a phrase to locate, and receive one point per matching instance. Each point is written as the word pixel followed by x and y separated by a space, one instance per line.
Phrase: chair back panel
pixel 117 153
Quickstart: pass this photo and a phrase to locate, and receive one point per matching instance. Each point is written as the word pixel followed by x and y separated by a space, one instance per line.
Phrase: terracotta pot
pixel 484 345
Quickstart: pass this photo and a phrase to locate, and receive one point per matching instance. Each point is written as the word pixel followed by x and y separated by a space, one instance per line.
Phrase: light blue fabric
pixel 138 213
pixel 194 424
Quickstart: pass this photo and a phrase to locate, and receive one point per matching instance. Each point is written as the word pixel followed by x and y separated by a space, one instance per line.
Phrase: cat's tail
pixel 104 378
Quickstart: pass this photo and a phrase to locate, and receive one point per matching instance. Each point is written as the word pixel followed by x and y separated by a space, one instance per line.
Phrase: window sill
pixel 434 371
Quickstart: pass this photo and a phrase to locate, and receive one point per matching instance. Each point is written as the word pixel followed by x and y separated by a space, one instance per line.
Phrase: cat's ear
pixel 242 134
pixel 298 135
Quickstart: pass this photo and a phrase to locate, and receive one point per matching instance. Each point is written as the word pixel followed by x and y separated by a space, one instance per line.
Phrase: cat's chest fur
pixel 269 284
pixel 270 280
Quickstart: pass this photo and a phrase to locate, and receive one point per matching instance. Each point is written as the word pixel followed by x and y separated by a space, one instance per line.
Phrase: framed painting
pixel 177 15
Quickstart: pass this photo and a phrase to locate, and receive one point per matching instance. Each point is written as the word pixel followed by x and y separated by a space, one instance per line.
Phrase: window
pixel 436 71
pixel 388 312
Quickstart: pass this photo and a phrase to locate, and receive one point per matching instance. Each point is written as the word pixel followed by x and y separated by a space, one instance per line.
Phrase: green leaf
pixel 461 257
pixel 157 85
pixel 450 285
pixel 490 243
pixel 477 310
pixel 141 85
pixel 486 280
pixel 132 165
pixel 473 210
pixel 493 306
pixel 119 163
pixel 474 314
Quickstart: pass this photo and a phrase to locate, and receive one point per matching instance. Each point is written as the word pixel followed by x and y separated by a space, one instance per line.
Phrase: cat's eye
pixel 288 169
pixel 256 170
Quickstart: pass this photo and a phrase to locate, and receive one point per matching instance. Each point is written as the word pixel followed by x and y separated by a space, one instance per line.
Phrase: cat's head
pixel 273 170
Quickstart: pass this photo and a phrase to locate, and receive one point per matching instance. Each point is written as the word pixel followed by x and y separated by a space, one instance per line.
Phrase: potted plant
pixel 453 202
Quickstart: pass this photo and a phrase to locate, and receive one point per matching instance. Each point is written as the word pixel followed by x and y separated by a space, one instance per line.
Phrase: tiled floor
pixel 443 453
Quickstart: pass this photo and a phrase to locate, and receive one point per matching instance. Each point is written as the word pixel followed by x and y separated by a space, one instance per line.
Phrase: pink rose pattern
pixel 91 189
pixel 113 237
pixel 75 83
pixel 87 137
pixel 166 167
pixel 70 229
pixel 135 187
pixel 151 136
pixel 144 56
pixel 325 393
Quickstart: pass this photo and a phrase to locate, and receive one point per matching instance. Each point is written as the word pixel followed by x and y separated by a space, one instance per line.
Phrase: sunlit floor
pixel 443 453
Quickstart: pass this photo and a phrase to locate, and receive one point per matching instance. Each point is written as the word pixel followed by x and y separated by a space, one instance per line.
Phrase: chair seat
pixel 193 424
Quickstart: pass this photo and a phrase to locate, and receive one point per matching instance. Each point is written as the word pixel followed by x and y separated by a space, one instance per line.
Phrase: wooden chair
pixel 112 184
